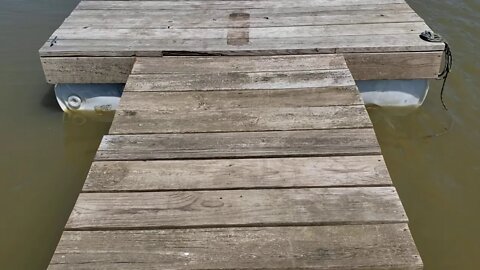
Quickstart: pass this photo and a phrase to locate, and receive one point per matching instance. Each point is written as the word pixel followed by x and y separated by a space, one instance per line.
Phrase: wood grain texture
pixel 363 66
pixel 226 4
pixel 238 73
pixel 239 145
pixel 254 33
pixel 234 208
pixel 388 246
pixel 212 64
pixel 240 81
pixel 289 10
pixel 355 43
pixel 402 66
pixel 241 99
pixel 239 120
pixel 226 111
pixel 108 176
pixel 161 20
pixel 87 70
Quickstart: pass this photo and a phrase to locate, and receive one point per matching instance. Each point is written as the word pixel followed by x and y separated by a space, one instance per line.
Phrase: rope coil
pixel 434 37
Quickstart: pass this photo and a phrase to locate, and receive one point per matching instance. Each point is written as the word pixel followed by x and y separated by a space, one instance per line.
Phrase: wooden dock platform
pixel 241 141
pixel 379 39
pixel 255 163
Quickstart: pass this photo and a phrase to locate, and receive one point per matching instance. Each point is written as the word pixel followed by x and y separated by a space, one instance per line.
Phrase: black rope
pixel 433 37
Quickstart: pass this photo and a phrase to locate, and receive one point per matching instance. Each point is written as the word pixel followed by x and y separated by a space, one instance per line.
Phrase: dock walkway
pixel 241 141
pixel 239 163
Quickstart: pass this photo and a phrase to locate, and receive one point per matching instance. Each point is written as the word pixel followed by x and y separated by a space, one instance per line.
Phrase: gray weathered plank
pixel 387 246
pixel 108 176
pixel 241 120
pixel 137 20
pixel 265 46
pixel 244 99
pixel 225 4
pixel 226 111
pixel 239 145
pixel 290 10
pixel 215 64
pixel 401 66
pixel 87 70
pixel 234 208
pixel 254 33
pixel 240 81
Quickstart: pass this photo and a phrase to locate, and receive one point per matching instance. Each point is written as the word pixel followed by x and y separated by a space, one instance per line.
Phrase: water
pixel 44 157
pixel 433 154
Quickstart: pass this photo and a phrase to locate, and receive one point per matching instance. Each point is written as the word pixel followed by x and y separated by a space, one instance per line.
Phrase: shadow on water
pixel 48 101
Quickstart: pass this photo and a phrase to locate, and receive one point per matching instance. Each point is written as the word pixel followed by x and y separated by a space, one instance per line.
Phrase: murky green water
pixel 433 155
pixel 44 158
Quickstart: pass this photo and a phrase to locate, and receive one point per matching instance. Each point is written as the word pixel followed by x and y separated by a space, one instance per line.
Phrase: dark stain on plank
pixel 239 34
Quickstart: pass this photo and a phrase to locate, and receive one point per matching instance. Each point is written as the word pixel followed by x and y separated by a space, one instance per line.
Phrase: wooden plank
pixel 259 110
pixel 240 120
pixel 78 15
pixel 301 45
pixel 234 208
pixel 213 64
pixel 387 246
pixel 240 81
pixel 195 21
pixel 291 10
pixel 254 33
pixel 169 175
pixel 239 145
pixel 87 70
pixel 243 99
pixel 224 4
pixel 402 66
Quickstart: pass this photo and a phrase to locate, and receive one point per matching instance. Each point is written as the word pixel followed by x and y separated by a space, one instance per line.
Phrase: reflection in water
pixel 433 155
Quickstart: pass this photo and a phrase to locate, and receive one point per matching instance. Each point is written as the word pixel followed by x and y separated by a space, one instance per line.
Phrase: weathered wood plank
pixel 405 65
pixel 108 176
pixel 87 70
pixel 259 110
pixel 234 208
pixel 244 99
pixel 137 20
pixel 215 64
pixel 401 66
pixel 301 45
pixel 240 81
pixel 239 145
pixel 387 246
pixel 225 4
pixel 286 10
pixel 241 120
pixel 254 33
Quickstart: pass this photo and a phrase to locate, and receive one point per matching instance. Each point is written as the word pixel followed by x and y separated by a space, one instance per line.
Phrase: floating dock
pixel 241 141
